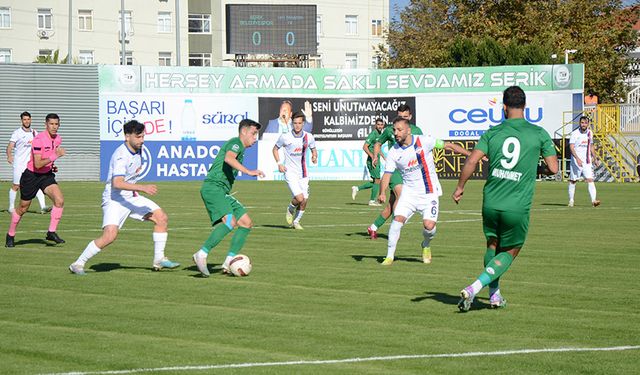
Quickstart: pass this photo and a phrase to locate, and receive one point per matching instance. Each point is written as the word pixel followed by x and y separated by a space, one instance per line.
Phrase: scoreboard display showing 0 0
pixel 271 29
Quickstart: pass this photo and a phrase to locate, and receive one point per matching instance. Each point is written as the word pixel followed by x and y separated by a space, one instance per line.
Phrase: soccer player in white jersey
pixel 121 199
pixel 20 143
pixel 294 167
pixel 583 157
pixel 412 156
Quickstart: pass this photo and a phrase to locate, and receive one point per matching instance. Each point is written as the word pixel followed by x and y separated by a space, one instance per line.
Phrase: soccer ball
pixel 240 265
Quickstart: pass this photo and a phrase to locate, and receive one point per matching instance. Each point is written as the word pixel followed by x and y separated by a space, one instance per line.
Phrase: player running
pixel 121 199
pixel 514 148
pixel 295 144
pixel 374 171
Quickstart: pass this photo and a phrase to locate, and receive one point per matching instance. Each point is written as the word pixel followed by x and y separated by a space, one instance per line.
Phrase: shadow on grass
pixel 380 258
pixel 365 234
pixel 283 226
pixel 211 267
pixel 449 299
pixel 35 241
pixel 108 267
pixel 554 204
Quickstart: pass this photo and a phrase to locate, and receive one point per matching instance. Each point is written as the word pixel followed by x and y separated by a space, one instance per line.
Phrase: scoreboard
pixel 271 29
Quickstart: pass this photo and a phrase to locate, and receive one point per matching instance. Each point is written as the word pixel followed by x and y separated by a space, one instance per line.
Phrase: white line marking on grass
pixel 352 360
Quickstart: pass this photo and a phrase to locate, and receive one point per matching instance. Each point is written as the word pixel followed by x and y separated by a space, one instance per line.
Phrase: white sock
pixel 476 286
pixel 298 216
pixel 572 191
pixel 40 196
pixel 493 291
pixel 428 236
pixel 373 227
pixel 159 242
pixel 592 190
pixel 394 236
pixel 227 260
pixel 12 199
pixel 89 252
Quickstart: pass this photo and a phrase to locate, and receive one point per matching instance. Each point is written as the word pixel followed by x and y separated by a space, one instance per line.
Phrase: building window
pixel 318 27
pixel 351 23
pixel 44 54
pixel 128 24
pixel 164 58
pixel 128 57
pixel 200 23
pixel 376 27
pixel 5 18
pixel 86 57
pixel 164 22
pixel 375 62
pixel 5 55
pixel 85 20
pixel 45 19
pixel 199 59
pixel 351 60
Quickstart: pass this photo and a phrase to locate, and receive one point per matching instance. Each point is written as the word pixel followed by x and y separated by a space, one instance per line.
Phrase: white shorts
pixel 298 186
pixel 585 171
pixel 116 212
pixel 410 202
pixel 18 168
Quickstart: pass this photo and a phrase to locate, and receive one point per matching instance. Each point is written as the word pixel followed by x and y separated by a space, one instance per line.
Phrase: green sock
pixel 490 254
pixel 366 185
pixel 238 240
pixel 375 190
pixel 379 221
pixel 215 237
pixel 498 265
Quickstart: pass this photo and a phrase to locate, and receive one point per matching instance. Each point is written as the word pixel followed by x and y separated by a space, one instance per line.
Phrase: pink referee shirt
pixel 46 146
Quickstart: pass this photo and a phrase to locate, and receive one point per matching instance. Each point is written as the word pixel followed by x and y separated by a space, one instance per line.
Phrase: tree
pixel 52 59
pixel 437 33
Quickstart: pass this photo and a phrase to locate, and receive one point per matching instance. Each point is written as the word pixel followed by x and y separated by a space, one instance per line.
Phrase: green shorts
pixel 396 179
pixel 509 227
pixel 219 204
pixel 374 172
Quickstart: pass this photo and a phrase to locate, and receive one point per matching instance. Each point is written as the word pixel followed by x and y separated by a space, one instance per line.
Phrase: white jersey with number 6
pixel 416 165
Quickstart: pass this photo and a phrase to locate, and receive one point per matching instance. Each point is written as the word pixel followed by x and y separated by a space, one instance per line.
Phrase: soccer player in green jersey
pixel 221 206
pixel 374 171
pixel 513 148
pixel 404 111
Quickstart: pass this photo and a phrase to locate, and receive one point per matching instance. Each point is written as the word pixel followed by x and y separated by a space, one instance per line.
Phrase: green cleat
pixel 289 217
pixel 387 261
pixel 297 226
pixel 426 255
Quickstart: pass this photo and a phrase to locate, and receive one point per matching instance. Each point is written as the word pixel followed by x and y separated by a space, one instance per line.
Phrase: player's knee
pixel 400 219
pixel 429 226
pixel 245 221
pixel 161 217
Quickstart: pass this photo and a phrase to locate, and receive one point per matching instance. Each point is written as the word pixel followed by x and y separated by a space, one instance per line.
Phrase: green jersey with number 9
pixel 513 148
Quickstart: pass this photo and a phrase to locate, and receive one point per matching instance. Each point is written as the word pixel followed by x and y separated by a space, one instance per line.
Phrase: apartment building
pixel 175 32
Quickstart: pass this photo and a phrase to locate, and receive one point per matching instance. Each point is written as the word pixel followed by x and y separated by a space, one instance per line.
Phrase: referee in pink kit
pixel 39 175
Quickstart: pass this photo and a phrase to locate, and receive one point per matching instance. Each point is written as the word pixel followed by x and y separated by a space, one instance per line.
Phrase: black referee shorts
pixel 31 182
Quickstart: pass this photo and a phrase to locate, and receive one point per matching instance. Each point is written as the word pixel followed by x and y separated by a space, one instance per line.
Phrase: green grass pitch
pixel 321 294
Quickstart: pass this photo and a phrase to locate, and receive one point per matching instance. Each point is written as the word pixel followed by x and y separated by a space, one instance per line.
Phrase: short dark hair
pixel 25 114
pixel 404 108
pixel 514 97
pixel 52 116
pixel 299 114
pixel 133 127
pixel 585 118
pixel 400 119
pixel 248 123
pixel 379 120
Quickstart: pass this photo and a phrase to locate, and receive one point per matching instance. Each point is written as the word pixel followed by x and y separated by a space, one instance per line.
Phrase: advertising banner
pixel 190 112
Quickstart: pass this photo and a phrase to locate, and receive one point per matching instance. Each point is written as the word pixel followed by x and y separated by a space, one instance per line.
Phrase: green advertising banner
pixel 279 81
